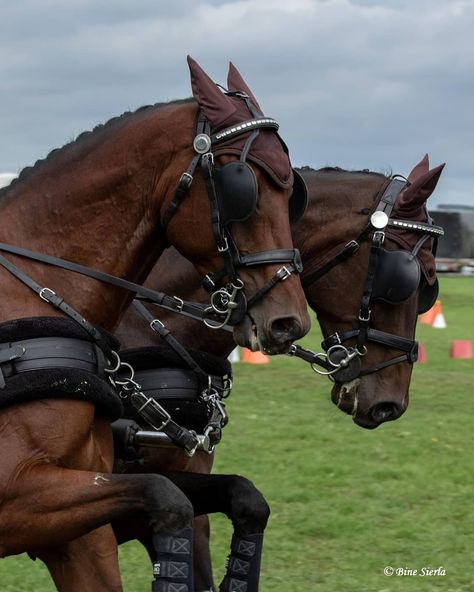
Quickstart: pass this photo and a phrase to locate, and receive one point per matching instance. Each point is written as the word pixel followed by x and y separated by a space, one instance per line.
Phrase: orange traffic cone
pixel 462 349
pixel 421 354
pixel 439 320
pixel 429 316
pixel 251 357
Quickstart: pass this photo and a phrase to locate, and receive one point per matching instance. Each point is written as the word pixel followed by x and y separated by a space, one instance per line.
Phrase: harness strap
pixel 158 298
pixel 364 313
pixel 184 184
pixel 186 178
pixel 405 358
pixel 276 256
pixel 394 341
pixel 173 343
pixel 43 353
pixel 349 249
pixel 280 276
pixel 152 412
pixel 56 301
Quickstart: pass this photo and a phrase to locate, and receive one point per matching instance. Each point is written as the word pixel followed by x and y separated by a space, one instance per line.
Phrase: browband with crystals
pixel 249 125
pixel 422 227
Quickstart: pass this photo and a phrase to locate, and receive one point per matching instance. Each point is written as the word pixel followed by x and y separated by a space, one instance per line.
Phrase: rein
pixel 228 302
pixel 147 407
pixel 341 363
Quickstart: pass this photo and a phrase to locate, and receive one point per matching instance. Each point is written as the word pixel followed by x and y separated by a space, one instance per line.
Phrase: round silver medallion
pixel 202 143
pixel 379 220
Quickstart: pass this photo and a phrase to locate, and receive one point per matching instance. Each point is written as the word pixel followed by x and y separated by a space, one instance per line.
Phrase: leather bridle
pixel 342 363
pixel 228 303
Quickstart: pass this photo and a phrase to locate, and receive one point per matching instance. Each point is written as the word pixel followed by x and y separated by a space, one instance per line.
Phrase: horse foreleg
pixel 156 461
pixel 203 579
pixel 48 506
pixel 129 529
pixel 87 563
pixel 246 507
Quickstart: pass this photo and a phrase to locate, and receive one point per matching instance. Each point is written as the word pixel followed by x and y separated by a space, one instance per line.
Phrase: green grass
pixel 345 502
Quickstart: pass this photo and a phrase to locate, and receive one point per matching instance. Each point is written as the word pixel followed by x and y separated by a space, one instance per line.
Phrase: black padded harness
pixel 192 398
pixel 53 357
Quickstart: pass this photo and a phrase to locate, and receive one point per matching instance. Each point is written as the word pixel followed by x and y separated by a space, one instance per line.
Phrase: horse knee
pixel 168 507
pixel 250 510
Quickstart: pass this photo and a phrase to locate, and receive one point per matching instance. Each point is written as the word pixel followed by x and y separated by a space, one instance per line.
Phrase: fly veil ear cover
pixel 279 171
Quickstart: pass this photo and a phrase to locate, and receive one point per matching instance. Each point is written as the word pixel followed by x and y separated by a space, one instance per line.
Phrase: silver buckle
pixel 186 179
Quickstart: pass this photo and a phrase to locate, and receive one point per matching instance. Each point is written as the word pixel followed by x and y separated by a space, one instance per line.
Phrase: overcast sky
pixel 353 83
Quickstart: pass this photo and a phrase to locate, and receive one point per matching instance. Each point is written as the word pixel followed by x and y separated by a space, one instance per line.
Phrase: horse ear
pixel 235 82
pixel 416 194
pixel 420 169
pixel 215 105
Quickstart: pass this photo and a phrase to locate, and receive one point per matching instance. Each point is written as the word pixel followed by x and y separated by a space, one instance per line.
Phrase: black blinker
pixel 236 189
pixel 299 198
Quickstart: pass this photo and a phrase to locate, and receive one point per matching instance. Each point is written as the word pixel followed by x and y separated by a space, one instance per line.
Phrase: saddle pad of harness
pixel 54 382
pixel 163 375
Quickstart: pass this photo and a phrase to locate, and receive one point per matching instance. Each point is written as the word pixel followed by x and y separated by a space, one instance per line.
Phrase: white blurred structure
pixel 6 178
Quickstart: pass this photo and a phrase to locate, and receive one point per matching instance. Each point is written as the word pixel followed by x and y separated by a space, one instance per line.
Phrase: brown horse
pixel 340 205
pixel 104 201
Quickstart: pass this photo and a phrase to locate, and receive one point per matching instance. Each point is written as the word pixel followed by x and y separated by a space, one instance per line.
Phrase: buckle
pixel 186 180
pixel 353 245
pixel 179 302
pixel 365 319
pixel 283 273
pixel 225 247
pixel 378 237
pixel 50 294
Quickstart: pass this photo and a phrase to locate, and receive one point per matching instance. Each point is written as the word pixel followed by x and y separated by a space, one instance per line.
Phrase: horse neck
pixel 338 209
pixel 97 202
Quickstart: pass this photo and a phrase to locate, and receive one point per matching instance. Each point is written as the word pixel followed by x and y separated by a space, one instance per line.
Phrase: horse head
pixel 368 299
pixel 247 190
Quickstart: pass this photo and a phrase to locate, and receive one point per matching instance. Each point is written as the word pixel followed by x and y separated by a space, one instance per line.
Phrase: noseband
pixel 392 276
pixel 232 190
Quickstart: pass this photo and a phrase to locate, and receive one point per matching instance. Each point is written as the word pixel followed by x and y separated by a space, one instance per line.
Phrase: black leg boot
pixel 243 564
pixel 173 567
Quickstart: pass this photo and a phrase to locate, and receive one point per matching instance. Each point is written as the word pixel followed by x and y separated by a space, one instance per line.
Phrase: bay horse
pixel 113 199
pixel 339 211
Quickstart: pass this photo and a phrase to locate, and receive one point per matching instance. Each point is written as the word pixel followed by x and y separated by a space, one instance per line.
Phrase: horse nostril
pixel 285 328
pixel 385 411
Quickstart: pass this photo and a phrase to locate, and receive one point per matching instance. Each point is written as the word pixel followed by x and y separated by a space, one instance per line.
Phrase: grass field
pixel 346 502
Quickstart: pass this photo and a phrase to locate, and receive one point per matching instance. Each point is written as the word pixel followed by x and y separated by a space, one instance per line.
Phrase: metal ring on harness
pixel 116 368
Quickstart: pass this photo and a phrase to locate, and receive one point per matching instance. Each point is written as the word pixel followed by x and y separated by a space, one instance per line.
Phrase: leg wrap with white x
pixel 173 567
pixel 243 564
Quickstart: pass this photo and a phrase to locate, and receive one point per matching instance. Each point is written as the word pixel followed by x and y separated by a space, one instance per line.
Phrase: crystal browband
pixel 417 227
pixel 243 127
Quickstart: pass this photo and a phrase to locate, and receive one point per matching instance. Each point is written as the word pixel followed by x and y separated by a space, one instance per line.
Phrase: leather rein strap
pixel 153 296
